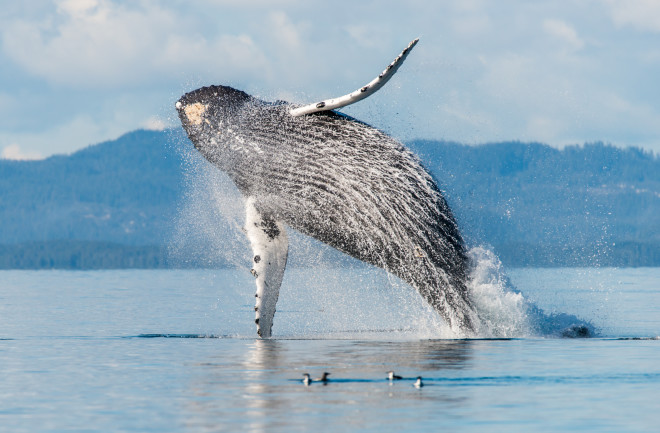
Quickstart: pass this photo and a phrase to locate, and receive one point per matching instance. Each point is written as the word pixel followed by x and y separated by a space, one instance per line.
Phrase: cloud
pixel 470 19
pixel 284 30
pixel 642 15
pixel 14 152
pixel 77 131
pixel 92 43
pixel 367 36
pixel 6 101
pixel 544 128
pixel 85 43
pixel 154 124
pixel 76 72
pixel 77 8
pixel 564 32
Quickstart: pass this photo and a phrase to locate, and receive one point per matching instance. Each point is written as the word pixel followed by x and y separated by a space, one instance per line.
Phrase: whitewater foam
pixel 502 311
pixel 505 312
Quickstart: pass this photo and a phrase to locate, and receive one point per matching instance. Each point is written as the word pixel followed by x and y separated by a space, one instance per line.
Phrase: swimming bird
pixel 306 379
pixel 323 378
pixel 419 382
pixel 338 180
pixel 392 376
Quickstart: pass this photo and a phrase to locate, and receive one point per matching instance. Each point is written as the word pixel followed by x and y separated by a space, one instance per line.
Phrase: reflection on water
pixel 260 381
pixel 262 359
pixel 423 355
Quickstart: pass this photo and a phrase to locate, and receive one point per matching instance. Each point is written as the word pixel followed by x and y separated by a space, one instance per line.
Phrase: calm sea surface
pixel 175 351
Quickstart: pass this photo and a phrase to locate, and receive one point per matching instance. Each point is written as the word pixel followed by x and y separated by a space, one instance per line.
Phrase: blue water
pixel 171 351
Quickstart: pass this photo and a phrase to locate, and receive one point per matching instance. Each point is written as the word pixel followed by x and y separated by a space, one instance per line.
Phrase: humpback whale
pixel 338 180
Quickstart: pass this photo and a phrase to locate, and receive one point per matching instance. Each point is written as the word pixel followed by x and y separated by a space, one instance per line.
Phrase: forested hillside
pixel 583 205
pixel 115 204
pixel 123 191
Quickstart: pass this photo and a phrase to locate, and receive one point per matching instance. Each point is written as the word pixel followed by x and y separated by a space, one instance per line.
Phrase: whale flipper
pixel 270 247
pixel 363 92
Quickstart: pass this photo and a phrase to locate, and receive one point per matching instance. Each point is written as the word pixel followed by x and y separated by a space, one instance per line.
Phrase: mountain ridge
pixel 535 205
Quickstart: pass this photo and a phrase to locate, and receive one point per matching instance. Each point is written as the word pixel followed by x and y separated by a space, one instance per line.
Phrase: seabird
pixel 419 382
pixel 392 376
pixel 323 378
pixel 306 379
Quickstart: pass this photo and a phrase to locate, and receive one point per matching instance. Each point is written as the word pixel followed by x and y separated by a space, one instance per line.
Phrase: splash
pixel 504 311
pixel 208 229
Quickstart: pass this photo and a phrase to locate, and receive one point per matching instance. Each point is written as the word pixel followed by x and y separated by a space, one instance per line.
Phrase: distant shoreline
pixel 91 255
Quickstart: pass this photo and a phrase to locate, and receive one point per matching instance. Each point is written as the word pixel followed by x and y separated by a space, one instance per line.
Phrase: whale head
pixel 212 117
pixel 198 108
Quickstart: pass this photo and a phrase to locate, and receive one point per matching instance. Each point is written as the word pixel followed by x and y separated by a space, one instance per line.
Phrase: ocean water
pixel 175 351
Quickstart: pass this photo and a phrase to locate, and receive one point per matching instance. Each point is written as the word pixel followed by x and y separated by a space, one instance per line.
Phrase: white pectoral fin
pixel 361 93
pixel 270 247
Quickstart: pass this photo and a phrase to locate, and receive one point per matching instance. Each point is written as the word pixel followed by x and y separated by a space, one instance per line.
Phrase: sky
pixel 78 72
